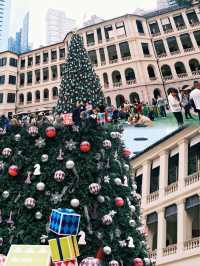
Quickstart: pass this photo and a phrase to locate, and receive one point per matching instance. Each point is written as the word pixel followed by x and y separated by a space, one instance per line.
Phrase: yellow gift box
pixel 64 248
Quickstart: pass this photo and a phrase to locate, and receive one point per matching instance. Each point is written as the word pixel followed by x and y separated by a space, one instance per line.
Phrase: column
pixel 193 41
pixel 160 26
pixel 173 24
pixel 166 47
pixel 179 44
pixel 186 20
pixel 98 57
pixel 181 229
pixel 95 37
pixel 164 159
pixel 118 53
pixel 106 55
pixel 183 163
pixel 161 236
pixel 146 181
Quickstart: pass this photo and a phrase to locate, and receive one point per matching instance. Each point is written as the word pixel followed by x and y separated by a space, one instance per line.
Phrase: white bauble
pixel 75 203
pixel 40 186
pixel 118 181
pixel 132 208
pixel 107 250
pixel 44 158
pixel 5 194
pixel 70 164
pixel 132 223
pixel 126 166
pixel 101 199
pixel 38 215
pixel 134 187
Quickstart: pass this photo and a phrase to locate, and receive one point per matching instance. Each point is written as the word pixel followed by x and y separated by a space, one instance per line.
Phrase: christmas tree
pixel 86 169
pixel 80 82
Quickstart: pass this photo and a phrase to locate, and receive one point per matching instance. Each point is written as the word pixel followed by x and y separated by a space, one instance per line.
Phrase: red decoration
pixel 119 202
pixel 100 254
pixel 85 146
pixel 126 152
pixel 65 263
pixel 13 170
pixel 50 132
pixel 138 262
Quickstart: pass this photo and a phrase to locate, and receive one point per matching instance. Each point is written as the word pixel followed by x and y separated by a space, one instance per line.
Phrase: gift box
pixel 64 248
pixel 64 222
pixel 28 255
pixel 67 119
pixel 66 263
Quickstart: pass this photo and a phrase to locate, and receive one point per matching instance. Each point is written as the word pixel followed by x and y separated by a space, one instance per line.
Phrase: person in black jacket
pixel 76 115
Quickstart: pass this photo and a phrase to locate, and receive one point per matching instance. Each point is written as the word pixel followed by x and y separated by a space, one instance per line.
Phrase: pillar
pixel 146 181
pixel 163 180
pixel 161 236
pixel 181 229
pixel 183 163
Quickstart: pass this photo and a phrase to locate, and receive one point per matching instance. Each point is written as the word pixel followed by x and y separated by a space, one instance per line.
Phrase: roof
pixel 159 142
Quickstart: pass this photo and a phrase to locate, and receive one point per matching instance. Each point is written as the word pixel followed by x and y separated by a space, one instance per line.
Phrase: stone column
pixel 181 229
pixel 183 163
pixel 118 53
pixel 98 57
pixel 161 235
pixel 163 180
pixel 186 20
pixel 146 181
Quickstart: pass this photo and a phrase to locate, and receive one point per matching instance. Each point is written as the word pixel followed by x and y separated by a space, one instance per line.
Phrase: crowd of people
pixel 137 114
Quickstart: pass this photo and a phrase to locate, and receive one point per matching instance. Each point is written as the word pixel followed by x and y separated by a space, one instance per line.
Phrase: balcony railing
pixel 194 24
pixel 103 63
pixel 45 99
pixel 187 50
pixel 175 52
pixel 168 31
pixel 127 58
pixel 153 254
pixel 91 44
pixel 131 82
pixel 156 34
pixel 153 78
pixel 166 78
pixel 196 73
pixel 182 75
pixel 153 197
pixel 117 84
pixel 114 61
pixel 192 244
pixel 162 55
pixel 194 178
pixel 182 27
pixel 110 39
pixel 170 250
pixel 171 188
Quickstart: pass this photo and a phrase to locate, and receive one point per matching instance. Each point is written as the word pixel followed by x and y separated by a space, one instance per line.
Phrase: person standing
pixel 175 106
pixel 186 104
pixel 161 106
pixel 195 98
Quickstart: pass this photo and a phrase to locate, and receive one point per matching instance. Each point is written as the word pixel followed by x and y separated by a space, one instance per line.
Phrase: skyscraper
pixel 88 21
pixel 25 34
pixel 57 25
pixel 165 3
pixel 4 23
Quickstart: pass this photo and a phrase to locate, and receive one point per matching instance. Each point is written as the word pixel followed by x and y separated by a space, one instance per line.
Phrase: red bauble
pixel 138 262
pixel 85 146
pixel 126 152
pixel 119 202
pixel 13 170
pixel 50 132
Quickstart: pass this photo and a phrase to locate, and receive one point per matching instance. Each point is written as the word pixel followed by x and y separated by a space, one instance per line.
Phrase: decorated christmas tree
pixel 84 171
pixel 80 82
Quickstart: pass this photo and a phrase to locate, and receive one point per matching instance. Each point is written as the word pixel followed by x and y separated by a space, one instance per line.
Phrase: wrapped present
pixel 64 222
pixel 67 119
pixel 66 263
pixel 28 255
pixel 64 248
pixel 90 261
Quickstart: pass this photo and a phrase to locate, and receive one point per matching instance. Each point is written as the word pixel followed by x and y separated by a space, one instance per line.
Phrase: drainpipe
pixel 157 61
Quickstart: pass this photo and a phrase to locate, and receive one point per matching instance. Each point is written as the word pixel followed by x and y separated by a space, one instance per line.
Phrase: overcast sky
pixel 76 9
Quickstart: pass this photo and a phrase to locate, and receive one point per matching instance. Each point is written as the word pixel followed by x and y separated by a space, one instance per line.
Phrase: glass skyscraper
pixel 4 23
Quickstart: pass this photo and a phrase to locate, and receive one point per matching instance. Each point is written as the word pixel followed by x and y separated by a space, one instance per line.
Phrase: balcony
pixel 187 50
pixel 153 197
pixel 117 84
pixel 103 63
pixel 171 188
pixel 121 36
pixel 91 44
pixel 175 52
pixel 110 39
pixel 166 78
pixel 29 102
pixel 46 99
pixel 153 78
pixel 182 75
pixel 192 244
pixel 37 100
pixel 130 82
pixel 192 179
pixel 195 24
pixel 170 250
pixel 168 31
pixel 162 55
pixel 113 61
pixel 153 254
pixel 156 34
pixel 127 58
pixel 182 27
pixel 196 73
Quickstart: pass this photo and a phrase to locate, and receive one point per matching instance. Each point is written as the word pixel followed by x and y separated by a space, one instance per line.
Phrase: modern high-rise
pixel 4 23
pixel 91 21
pixel 57 25
pixel 161 4
pixel 25 34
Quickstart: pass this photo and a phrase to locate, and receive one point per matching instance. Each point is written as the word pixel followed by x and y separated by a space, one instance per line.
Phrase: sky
pixel 75 9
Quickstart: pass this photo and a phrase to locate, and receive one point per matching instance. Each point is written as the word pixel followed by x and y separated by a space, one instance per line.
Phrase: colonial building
pixel 135 57
pixel 168 178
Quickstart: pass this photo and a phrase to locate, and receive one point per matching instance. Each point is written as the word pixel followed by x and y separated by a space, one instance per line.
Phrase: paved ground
pixel 161 128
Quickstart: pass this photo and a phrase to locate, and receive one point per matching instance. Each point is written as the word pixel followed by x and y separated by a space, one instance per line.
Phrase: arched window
pixel 29 97
pixel 21 98
pixel 166 71
pixel 156 93
pixel 55 92
pixel 37 96
pixel 120 100
pixel 46 94
pixel 105 80
pixel 134 97
pixel 108 100
pixel 180 68
pixel 151 72
pixel 116 77
pixel 129 74
pixel 194 65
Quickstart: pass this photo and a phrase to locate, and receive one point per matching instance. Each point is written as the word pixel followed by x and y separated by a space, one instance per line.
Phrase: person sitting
pixel 140 121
